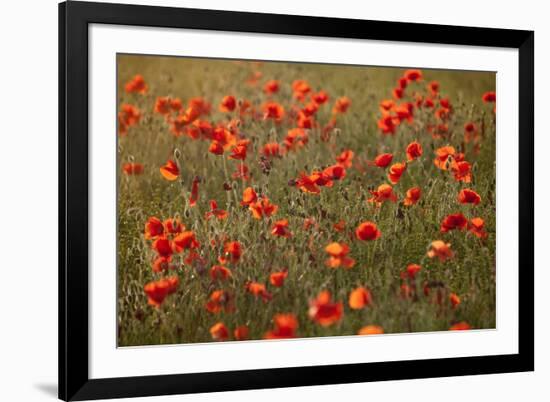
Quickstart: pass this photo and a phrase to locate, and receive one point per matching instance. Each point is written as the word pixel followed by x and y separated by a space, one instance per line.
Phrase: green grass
pixel 406 231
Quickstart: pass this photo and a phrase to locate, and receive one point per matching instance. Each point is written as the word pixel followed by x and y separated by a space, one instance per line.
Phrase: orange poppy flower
pixel 404 112
pixel 263 208
pixel 233 250
pixel 308 184
pixel 186 241
pixel 444 157
pixel 310 223
pixel 136 85
pixel 412 196
pixel 460 326
pixel 384 192
pixel 249 196
pixel 170 170
pixel 441 250
pixel 454 299
pixel 295 138
pixel 228 104
pixel 221 214
pixel 300 88
pixel 241 333
pixel 367 231
pixel 273 110
pixel 338 253
pixel 341 105
pixel 454 221
pixel 285 327
pixel 271 87
pixel 153 228
pixel 320 97
pixel 476 226
pixel 157 291
pixel 371 330
pixel 173 226
pixel 383 160
pixel 462 171
pixel 489 97
pixel 395 172
pixel 413 75
pixel 220 300
pixel 163 246
pixel 258 290
pixel 219 272
pixel 414 150
pixel 325 312
pixel 345 159
pixel 163 105
pixel 280 228
pixel 277 279
pixel 359 298
pixel 271 150
pixel 219 332
pixel 194 196
pixel 468 196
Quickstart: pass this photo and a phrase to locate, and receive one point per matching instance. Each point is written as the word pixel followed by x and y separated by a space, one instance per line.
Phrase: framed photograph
pixel 257 201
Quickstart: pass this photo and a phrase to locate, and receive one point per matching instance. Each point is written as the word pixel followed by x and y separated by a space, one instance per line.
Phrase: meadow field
pixel 271 200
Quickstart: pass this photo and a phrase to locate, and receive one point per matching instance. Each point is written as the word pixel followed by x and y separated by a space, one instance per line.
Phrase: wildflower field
pixel 267 200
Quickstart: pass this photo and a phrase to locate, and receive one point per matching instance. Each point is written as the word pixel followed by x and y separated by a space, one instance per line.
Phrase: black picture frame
pixel 74 19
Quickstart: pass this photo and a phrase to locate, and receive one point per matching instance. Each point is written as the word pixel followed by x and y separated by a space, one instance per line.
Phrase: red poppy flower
pixel 241 333
pixel 258 290
pixel 129 115
pixel 414 150
pixel 241 172
pixel 219 272
pixel 277 279
pixel 163 247
pixel 263 208
pixel 367 231
pixel 233 250
pixel 296 138
pixel 280 228
pixel 412 196
pixel 454 299
pixel 387 124
pixel 271 87
pixel 413 75
pixel 219 332
pixel 339 226
pixel 273 110
pixel 324 311
pixel 338 253
pixel 308 184
pixel 383 160
pixel 228 104
pixel 433 87
pixel 468 196
pixel 300 88
pixel 441 250
pixel 239 151
pixel 476 226
pixel 395 172
pixel 170 170
pixel 460 326
pixel 249 196
pixel 320 97
pixel 359 298
pixel 220 214
pixel 194 196
pixel 173 226
pixel 412 270
pixel 462 171
pixel 220 300
pixel 384 192
pixel 398 93
pixel 162 264
pixel 186 241
pixel 136 85
pixel 157 291
pixel 153 228
pixel 454 221
pixel 341 105
pixel 490 96
pixel 285 327
pixel 215 148
pixel 271 150
pixel 345 159
pixel 444 157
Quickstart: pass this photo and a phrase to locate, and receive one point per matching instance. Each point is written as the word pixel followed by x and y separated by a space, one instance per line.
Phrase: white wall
pixel 28 197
